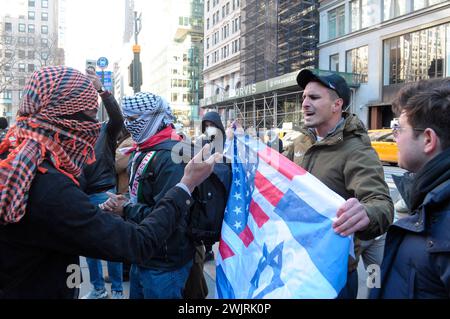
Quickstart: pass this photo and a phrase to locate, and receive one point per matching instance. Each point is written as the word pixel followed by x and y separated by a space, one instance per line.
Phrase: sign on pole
pixel 102 63
pixel 107 79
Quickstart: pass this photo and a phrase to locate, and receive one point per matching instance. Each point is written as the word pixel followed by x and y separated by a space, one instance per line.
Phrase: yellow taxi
pixel 384 144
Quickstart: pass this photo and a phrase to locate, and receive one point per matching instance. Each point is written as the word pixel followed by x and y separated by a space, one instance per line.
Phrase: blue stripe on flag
pixel 224 288
pixel 314 232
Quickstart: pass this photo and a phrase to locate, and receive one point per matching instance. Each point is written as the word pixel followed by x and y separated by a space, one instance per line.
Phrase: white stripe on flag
pixel 276 178
pixel 311 190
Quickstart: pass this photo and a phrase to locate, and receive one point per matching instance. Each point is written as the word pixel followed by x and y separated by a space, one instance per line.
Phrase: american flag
pixel 277 240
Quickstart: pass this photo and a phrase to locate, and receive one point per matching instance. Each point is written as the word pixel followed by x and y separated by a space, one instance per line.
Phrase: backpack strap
pixel 134 189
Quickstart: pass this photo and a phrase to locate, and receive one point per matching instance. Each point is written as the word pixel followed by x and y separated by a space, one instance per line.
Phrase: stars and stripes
pixel 278 221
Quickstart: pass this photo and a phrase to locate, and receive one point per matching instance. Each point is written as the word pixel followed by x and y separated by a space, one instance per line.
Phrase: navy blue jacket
pixel 416 261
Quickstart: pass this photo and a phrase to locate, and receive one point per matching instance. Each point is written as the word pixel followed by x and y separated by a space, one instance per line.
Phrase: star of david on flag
pixel 277 239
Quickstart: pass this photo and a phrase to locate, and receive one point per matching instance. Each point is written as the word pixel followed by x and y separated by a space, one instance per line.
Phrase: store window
pixel 418 55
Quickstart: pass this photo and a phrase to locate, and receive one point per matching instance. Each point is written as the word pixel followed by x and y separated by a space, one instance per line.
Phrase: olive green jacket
pixel 346 162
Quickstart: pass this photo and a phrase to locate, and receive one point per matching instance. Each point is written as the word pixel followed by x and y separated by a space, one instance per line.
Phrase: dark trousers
pixel 350 290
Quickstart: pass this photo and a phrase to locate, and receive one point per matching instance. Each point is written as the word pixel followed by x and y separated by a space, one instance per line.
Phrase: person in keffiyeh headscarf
pixel 153 172
pixel 46 220
pixel 52 124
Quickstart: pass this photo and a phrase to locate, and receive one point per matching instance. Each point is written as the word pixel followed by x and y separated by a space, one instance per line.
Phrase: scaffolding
pixel 278 37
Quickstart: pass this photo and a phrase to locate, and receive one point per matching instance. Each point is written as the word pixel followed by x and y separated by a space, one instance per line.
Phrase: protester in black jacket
pixel 47 222
pixel 212 132
pixel 97 180
pixel 153 172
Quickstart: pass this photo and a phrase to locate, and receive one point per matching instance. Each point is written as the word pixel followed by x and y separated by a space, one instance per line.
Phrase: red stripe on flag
pixel 258 214
pixel 225 250
pixel 281 163
pixel 246 236
pixel 267 189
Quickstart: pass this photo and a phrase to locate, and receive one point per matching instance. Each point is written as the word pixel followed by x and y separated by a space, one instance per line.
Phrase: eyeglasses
pixel 397 128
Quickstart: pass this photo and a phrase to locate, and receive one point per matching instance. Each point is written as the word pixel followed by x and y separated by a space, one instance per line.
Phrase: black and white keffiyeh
pixel 151 111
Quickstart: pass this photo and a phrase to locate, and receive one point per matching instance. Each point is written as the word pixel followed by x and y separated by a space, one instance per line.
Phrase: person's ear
pixel 337 105
pixel 431 141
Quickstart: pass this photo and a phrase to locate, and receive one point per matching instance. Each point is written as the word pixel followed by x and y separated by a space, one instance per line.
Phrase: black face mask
pixel 80 116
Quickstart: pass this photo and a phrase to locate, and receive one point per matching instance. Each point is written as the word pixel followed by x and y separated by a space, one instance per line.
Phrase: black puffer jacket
pixel 61 224
pixel 101 175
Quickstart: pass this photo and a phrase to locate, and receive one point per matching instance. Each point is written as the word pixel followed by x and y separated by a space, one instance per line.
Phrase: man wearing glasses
pixel 416 263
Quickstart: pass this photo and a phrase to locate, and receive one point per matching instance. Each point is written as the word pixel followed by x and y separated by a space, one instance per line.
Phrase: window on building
pixel 235 46
pixel 8 26
pixel 336 22
pixel 174 97
pixel 44 3
pixel 21 54
pixel 394 8
pixel 207 60
pixel 420 4
pixel 21 81
pixel 415 56
pixel 334 62
pixel 7 94
pixel 31 15
pixel 207 6
pixel 31 67
pixel 44 29
pixel 8 39
pixel 357 61
pixel 22 27
pixel 223 12
pixel 31 55
pixel 44 42
pixel 362 14
pixel 44 16
pixel 228 8
pixel 22 40
pixel 31 28
pixel 31 3
pixel 207 24
pixel 21 67
pixel 31 41
pixel 9 53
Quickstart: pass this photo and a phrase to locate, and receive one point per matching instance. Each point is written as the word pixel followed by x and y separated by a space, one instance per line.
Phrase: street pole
pixel 137 75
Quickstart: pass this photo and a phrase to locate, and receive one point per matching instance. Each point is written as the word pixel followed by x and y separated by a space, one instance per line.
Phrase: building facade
pixel 28 41
pixel 222 30
pixel 277 39
pixel 388 43
pixel 171 54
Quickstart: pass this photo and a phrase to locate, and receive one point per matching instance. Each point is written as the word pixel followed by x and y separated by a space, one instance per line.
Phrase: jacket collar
pixel 350 124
